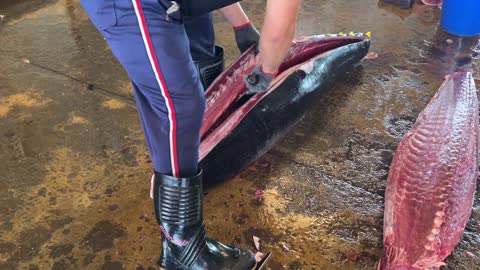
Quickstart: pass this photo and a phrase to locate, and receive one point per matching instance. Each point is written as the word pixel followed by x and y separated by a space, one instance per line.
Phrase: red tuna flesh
pixel 432 180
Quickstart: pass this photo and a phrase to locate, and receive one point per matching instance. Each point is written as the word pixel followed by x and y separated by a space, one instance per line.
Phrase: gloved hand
pixel 258 81
pixel 246 35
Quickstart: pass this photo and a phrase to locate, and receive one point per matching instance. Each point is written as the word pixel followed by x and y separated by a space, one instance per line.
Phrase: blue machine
pixel 461 17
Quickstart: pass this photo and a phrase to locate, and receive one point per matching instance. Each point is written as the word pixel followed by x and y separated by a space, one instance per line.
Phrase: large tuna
pixel 238 128
pixel 432 180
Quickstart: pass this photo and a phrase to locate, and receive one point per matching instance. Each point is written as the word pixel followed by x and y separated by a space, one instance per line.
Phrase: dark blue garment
pixel 154 48
pixel 201 36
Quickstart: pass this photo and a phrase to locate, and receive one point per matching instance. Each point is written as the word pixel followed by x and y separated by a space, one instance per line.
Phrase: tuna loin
pixel 432 180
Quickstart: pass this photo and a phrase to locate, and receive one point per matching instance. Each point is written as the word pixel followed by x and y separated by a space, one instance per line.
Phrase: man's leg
pixel 173 106
pixel 207 57
pixel 155 53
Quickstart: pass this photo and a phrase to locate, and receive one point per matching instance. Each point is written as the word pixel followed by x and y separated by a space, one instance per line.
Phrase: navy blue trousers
pixel 157 51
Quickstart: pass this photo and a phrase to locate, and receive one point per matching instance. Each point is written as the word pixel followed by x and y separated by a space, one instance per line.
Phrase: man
pixel 168 51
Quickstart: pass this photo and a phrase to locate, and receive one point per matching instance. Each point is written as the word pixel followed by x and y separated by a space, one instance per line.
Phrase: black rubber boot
pixel 179 211
pixel 211 68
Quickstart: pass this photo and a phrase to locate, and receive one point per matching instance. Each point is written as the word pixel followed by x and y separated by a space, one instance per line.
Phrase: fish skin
pixel 267 117
pixel 432 180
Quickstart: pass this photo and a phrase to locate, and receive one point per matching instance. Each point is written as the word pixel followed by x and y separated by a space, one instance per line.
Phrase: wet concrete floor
pixel 75 169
